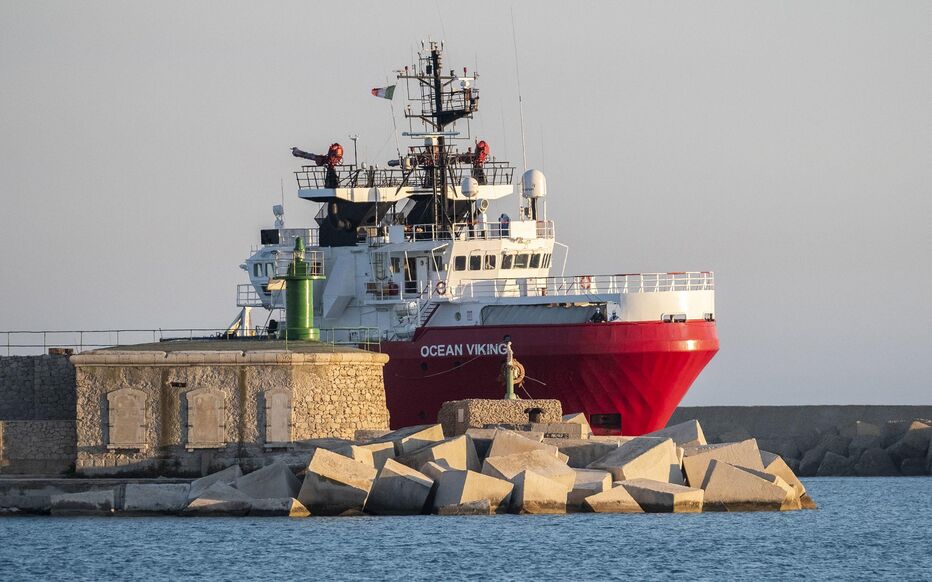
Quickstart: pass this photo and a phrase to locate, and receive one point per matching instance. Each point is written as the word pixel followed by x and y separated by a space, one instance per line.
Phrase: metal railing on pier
pixel 32 342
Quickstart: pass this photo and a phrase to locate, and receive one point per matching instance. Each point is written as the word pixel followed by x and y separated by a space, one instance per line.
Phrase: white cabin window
pixel 546 263
pixel 490 262
pixel 507 261
pixel 475 262
pixel 257 270
pixel 459 263
pixel 535 260
pixel 521 261
pixel 270 270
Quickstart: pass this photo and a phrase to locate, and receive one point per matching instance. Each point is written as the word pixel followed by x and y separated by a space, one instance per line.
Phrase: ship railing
pixel 66 342
pixel 314 260
pixel 490 173
pixel 472 231
pixel 587 285
pixel 247 296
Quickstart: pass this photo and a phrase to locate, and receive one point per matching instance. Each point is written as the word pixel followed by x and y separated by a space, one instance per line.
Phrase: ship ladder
pixel 428 312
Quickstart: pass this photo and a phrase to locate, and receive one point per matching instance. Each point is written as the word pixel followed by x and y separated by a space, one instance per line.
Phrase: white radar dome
pixel 470 187
pixel 533 184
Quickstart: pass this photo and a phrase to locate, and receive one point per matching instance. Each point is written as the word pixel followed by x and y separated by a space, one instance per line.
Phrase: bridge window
pixel 535 260
pixel 546 263
pixel 270 270
pixel 459 263
pixel 490 262
pixel 475 262
pixel 257 269
pixel 507 261
pixel 521 261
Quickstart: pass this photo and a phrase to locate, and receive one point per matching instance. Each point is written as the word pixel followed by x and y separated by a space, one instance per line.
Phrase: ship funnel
pixel 470 187
pixel 533 184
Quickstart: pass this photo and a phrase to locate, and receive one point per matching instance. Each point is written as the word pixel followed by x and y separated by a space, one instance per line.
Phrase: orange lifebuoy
pixel 585 282
pixel 441 288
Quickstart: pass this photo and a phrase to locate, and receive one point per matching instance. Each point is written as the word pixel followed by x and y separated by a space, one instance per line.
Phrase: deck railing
pixel 31 342
pixel 586 285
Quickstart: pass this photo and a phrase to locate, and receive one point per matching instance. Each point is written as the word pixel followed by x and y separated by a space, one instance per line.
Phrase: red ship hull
pixel 638 370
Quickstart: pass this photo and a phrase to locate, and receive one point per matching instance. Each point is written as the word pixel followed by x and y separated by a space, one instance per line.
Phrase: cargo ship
pixel 406 257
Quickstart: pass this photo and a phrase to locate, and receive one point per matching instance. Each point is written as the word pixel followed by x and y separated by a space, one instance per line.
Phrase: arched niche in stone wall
pixel 126 419
pixel 206 419
pixel 278 417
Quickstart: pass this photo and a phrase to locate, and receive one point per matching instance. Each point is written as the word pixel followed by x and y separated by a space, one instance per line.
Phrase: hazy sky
pixel 785 145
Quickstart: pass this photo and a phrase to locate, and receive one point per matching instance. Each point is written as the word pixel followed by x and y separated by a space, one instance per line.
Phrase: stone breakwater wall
pixel 458 415
pixel 37 388
pixel 184 413
pixel 37 447
pixel 827 440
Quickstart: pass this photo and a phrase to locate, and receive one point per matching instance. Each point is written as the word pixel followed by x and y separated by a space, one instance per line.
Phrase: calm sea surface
pixel 864 529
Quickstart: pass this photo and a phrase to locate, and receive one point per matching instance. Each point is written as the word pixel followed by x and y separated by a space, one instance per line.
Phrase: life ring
pixel 518 373
pixel 441 288
pixel 585 282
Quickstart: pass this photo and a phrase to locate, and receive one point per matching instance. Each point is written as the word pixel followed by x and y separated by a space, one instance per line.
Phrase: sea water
pixel 863 529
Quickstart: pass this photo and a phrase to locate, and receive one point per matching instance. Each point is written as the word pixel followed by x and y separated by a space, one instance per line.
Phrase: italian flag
pixel 384 92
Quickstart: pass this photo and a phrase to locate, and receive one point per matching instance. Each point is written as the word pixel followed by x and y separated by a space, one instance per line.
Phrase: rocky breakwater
pixel 417 470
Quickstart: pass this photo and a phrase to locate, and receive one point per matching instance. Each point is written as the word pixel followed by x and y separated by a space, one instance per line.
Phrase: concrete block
pixel 478 507
pixel 398 490
pixel 785 447
pixel 456 488
pixel 459 453
pixel 482 440
pixel 861 443
pixel 433 469
pixel 835 466
pixel 730 488
pixel 859 428
pixel 219 499
pixel 775 465
pixel 661 497
pixel 913 467
pixel 913 444
pixel 612 500
pixel 506 442
pixel 642 458
pixel 534 493
pixel 812 459
pixel 581 452
pixel 269 482
pixel 411 438
pixel 540 461
pixel 742 454
pixel 155 498
pixel 685 434
pixel 875 462
pixel 565 430
pixel 373 454
pixel 588 482
pixel 100 502
pixel 228 476
pixel 277 507
pixel 580 419
pixel 334 483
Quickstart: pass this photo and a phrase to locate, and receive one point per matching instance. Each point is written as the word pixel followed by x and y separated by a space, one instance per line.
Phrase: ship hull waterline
pixel 638 370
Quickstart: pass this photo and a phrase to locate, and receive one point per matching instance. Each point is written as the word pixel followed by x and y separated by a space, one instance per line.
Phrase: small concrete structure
pixel 458 416
pixel 277 507
pixel 372 454
pixel 155 498
pixel 398 490
pixel 730 488
pixel 613 500
pixel 272 481
pixel 661 497
pixel 742 454
pixel 334 484
pixel 459 488
pixel 642 458
pixel 775 465
pixel 534 493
